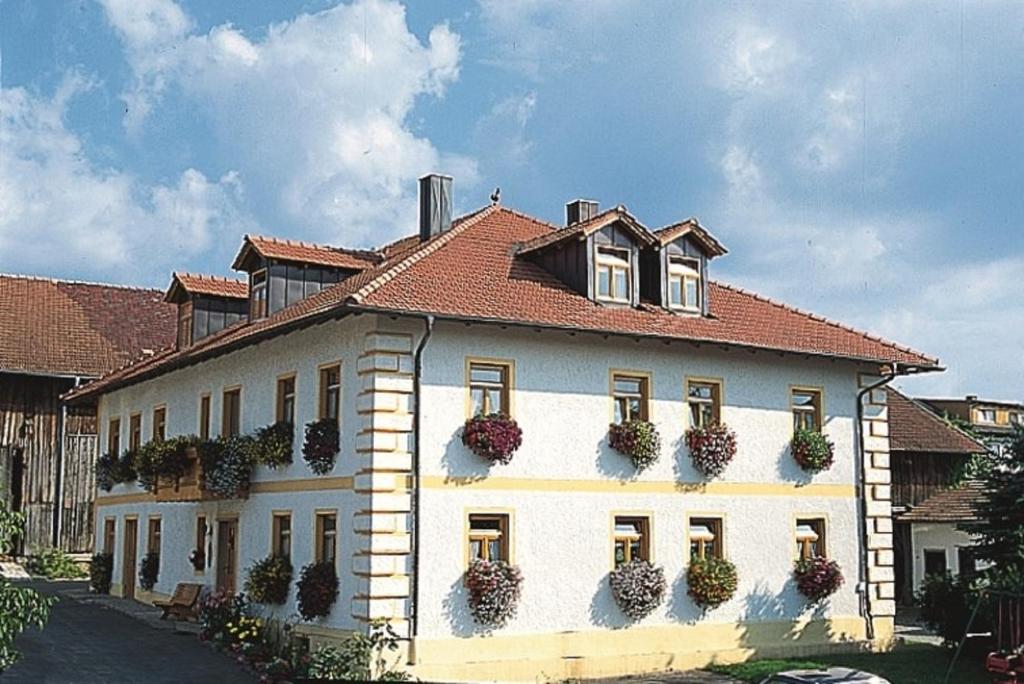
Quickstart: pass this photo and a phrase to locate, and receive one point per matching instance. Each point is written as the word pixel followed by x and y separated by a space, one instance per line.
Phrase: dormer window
pixel 258 295
pixel 684 289
pixel 614 274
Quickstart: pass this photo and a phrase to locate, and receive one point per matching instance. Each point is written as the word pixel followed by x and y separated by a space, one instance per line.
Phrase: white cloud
pixel 315 113
pixel 63 215
pixel 757 59
pixel 503 129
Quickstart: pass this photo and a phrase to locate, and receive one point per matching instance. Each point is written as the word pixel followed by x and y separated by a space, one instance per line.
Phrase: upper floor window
pixel 114 437
pixel 806 407
pixel 488 537
pixel 330 392
pixel 135 431
pixel 632 539
pixel 160 423
pixel 684 291
pixel 258 295
pixel 326 537
pixel 810 538
pixel 489 387
pixel 281 544
pixel 986 415
pixel 614 274
pixel 631 395
pixel 706 538
pixel 286 399
pixel 705 401
pixel 231 420
pixel 1017 419
pixel 184 325
pixel 204 416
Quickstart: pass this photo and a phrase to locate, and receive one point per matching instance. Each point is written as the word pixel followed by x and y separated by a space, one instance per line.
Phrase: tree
pixel 999 529
pixel 20 607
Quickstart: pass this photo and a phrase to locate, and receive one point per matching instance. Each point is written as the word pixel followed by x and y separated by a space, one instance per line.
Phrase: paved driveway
pixel 87 642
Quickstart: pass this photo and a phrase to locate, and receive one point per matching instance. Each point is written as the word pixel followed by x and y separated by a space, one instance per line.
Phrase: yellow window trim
pixel 317 512
pixel 199 413
pixel 152 426
pixel 321 389
pixel 822 412
pixel 719 382
pixel 803 515
pixel 647 514
pixel 223 414
pixel 647 376
pixel 510 371
pixel 294 377
pixel 719 515
pixel 274 514
pixel 489 510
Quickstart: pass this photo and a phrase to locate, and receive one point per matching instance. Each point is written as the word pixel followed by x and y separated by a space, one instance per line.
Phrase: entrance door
pixel 227 555
pixel 131 538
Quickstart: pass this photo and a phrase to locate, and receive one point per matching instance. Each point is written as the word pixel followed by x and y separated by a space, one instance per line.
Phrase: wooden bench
pixel 182 605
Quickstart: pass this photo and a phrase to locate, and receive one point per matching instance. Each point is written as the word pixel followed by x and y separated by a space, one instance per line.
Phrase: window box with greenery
pixel 227 466
pixel 812 451
pixel 268 580
pixel 712 448
pixel 149 570
pixel 101 572
pixel 493 437
pixel 321 445
pixel 317 590
pixel 817 578
pixel 638 587
pixel 638 439
pixel 711 581
pixel 274 444
pixel 494 589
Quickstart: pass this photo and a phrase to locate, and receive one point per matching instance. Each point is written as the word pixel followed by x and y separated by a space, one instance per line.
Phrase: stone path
pixel 87 641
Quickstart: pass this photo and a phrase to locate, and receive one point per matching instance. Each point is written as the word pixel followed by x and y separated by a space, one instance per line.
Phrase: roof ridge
pixel 315 245
pixel 426 249
pixel 825 320
pixel 66 281
pixel 207 276
pixel 933 416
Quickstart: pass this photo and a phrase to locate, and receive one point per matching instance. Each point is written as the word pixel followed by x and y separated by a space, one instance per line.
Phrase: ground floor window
pixel 706 540
pixel 109 533
pixel 810 538
pixel 488 537
pixel 632 538
pixel 934 561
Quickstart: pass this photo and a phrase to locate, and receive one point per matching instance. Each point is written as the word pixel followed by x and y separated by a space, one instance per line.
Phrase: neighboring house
pixel 53 335
pixel 995 422
pixel 567 329
pixel 927 455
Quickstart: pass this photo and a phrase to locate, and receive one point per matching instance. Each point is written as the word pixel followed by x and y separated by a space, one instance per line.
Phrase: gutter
pixel 862 583
pixel 415 504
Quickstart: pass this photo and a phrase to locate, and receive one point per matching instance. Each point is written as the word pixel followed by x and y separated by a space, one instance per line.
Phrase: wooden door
pixel 227 555
pixel 131 538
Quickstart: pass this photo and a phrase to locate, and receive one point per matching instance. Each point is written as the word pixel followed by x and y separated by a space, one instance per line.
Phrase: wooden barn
pixel 54 335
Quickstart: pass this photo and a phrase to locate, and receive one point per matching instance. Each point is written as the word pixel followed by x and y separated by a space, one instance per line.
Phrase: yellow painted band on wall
pixel 641 487
pixel 315 484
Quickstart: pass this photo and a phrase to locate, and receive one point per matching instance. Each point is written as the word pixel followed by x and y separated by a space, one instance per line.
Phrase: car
pixel 833 675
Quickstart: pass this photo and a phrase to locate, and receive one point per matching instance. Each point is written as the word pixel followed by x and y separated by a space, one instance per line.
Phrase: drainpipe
pixel 415 507
pixel 862 585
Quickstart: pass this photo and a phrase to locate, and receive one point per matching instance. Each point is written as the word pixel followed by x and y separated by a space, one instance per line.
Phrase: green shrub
pixel 149 570
pixel 101 570
pixel 268 580
pixel 359 658
pixel 54 564
pixel 946 605
pixel 20 607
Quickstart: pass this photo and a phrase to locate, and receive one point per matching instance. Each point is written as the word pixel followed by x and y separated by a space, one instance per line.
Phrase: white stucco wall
pixel 937 537
pixel 562 540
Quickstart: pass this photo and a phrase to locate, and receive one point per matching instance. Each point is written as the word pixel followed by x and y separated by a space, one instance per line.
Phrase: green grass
pixel 908 664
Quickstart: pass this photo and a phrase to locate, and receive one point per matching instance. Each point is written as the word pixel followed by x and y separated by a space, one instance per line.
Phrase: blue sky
pixel 861 160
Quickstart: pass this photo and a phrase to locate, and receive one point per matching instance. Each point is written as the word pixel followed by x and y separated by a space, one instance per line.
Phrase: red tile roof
pixel 913 427
pixel 471 272
pixel 691 227
pixel 304 252
pixel 55 327
pixel 556 234
pixel 196 283
pixel 959 504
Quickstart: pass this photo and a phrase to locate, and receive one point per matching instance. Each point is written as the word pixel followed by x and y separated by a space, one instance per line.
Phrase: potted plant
pixel 149 570
pixel 494 590
pixel 227 465
pixel 216 610
pixel 268 580
pixel 712 448
pixel 813 451
pixel 317 590
pixel 321 445
pixel 711 581
pixel 494 437
pixel 101 569
pixel 274 444
pixel 107 471
pixel 638 587
pixel 637 439
pixel 817 578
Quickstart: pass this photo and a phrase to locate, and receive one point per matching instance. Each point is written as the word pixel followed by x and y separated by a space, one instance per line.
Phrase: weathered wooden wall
pixel 30 423
pixel 916 476
pixel 78 481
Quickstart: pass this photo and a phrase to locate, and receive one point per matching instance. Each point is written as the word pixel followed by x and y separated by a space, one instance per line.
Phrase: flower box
pixel 494 437
pixel 638 439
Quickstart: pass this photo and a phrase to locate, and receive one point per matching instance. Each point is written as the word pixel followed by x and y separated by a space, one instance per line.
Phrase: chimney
pixel 580 210
pixel 972 397
pixel 435 205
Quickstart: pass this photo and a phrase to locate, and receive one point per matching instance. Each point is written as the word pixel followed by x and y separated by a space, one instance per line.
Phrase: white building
pixel 553 317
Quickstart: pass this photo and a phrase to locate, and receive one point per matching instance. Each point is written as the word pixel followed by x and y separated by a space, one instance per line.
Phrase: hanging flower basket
pixel 321 445
pixel 197 558
pixel 712 448
pixel 274 444
pixel 817 578
pixel 107 475
pixel 268 580
pixel 494 590
pixel 149 570
pixel 637 439
pixel 638 588
pixel 812 451
pixel 494 437
pixel 317 590
pixel 227 466
pixel 711 581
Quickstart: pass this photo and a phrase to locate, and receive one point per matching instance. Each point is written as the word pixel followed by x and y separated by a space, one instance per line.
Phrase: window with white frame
pixel 614 274
pixel 684 290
